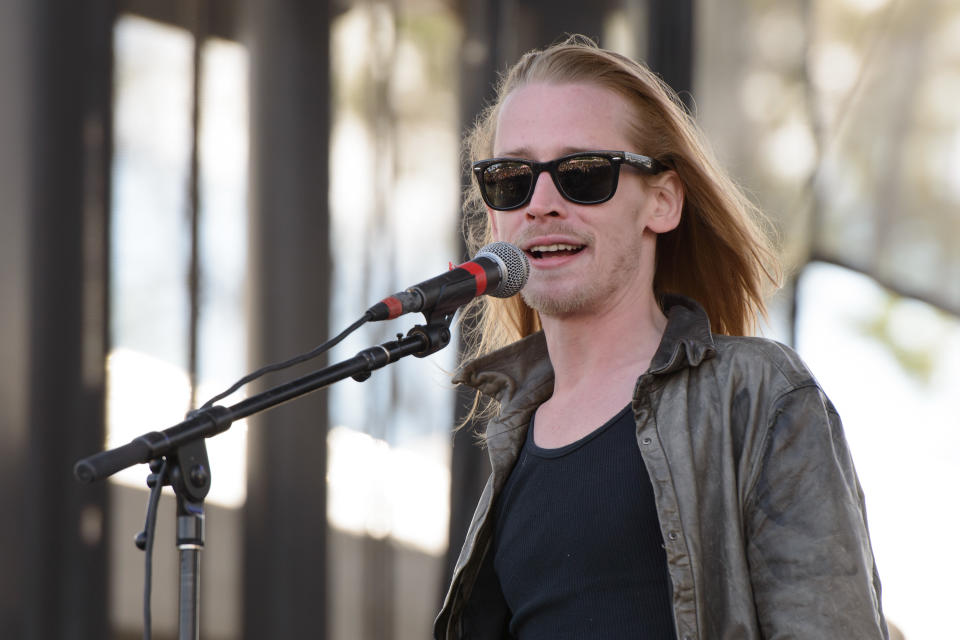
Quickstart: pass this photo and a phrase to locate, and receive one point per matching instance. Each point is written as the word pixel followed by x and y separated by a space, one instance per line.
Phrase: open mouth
pixel 554 250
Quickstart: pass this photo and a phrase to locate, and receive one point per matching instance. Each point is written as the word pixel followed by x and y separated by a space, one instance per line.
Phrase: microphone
pixel 499 269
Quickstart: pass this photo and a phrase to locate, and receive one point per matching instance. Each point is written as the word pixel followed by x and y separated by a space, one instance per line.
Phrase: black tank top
pixel 577 545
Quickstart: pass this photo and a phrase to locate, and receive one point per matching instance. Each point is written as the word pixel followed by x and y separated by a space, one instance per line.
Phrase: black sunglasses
pixel 588 177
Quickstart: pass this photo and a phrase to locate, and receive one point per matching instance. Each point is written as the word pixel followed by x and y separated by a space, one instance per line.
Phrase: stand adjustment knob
pixel 199 476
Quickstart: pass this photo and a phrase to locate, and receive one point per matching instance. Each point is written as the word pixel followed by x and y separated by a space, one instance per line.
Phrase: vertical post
pixel 15 549
pixel 285 514
pixel 56 74
pixel 671 47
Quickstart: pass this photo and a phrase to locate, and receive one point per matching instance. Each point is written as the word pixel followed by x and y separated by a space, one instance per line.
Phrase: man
pixel 651 478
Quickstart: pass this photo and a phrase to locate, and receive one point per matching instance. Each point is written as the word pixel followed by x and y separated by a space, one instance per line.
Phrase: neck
pixel 611 347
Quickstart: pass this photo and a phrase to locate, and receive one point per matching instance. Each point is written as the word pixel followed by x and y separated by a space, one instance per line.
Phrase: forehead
pixel 542 121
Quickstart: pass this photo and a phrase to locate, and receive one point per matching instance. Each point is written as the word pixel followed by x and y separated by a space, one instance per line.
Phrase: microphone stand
pixel 183 447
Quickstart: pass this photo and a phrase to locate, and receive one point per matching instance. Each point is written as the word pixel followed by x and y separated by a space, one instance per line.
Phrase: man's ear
pixel 667 192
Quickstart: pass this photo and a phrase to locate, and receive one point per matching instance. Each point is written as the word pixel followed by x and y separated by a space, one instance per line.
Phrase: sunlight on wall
pixel 790 150
pixel 394 200
pixel 149 242
pixel 867 6
pixel 149 394
pixel 148 383
pixel 381 491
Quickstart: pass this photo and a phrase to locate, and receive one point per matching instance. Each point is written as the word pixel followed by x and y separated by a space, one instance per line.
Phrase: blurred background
pixel 195 188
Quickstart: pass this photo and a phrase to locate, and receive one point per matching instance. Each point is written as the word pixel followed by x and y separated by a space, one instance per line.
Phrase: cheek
pixel 497 227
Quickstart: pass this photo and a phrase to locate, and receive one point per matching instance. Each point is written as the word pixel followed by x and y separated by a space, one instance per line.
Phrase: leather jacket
pixel 760 508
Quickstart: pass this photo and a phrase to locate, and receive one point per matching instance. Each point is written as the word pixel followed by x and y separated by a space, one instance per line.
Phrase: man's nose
pixel 546 199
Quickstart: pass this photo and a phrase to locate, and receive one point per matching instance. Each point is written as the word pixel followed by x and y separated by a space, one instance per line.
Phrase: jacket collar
pixel 687 340
pixel 523 367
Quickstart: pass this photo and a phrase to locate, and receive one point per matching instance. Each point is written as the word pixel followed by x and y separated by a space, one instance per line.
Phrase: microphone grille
pixel 514 267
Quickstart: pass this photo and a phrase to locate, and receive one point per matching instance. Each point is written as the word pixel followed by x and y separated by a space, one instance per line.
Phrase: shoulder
pixel 763 355
pixel 759 362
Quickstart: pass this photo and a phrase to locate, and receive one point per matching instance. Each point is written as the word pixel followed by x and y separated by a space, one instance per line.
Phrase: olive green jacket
pixel 762 514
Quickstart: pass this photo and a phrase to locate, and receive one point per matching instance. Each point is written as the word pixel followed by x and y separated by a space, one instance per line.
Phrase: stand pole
pixel 190 537
pixel 191 483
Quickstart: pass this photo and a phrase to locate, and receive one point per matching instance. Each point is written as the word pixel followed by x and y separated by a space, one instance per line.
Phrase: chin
pixel 554 304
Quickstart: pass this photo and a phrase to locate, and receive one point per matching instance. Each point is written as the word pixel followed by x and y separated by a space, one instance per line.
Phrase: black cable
pixel 313 353
pixel 158 478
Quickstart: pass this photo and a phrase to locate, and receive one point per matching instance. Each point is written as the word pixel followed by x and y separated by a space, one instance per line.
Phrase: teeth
pixel 540 248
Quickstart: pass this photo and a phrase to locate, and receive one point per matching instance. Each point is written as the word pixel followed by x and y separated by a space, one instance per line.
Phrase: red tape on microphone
pixel 395 307
pixel 479 275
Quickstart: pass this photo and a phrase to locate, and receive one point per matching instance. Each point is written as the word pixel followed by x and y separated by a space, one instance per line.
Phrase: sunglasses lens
pixel 587 179
pixel 505 185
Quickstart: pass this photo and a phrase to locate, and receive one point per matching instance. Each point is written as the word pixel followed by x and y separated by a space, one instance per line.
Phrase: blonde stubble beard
pixel 581 301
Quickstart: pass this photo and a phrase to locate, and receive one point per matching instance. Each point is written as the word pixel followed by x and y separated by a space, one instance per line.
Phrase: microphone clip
pixel 435 335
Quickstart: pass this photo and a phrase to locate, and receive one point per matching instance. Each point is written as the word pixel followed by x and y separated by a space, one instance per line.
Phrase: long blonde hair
pixel 720 254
